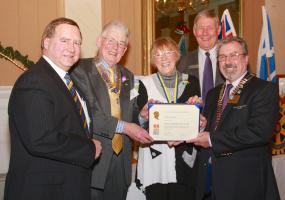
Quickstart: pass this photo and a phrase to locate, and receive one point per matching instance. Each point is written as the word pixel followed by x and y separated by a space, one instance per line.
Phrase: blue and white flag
pixel 266 60
pixel 227 26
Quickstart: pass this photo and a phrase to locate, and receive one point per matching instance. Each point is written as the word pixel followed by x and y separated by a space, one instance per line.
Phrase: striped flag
pixel 227 26
pixel 266 60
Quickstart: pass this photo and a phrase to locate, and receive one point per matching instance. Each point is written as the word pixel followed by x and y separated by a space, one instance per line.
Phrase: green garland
pixel 15 57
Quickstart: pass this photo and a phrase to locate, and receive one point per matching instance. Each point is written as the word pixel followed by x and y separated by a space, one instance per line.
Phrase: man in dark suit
pixel 51 155
pixel 110 92
pixel 206 30
pixel 240 123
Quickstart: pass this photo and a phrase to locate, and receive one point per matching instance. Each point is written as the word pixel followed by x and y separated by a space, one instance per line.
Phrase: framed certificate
pixel 173 121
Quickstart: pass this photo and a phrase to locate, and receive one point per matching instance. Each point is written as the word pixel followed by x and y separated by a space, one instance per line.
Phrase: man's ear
pixel 99 41
pixel 194 32
pixel 46 43
pixel 219 29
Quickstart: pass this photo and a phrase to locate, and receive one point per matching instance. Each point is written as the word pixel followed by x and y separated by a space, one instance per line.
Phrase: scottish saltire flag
pixel 227 26
pixel 266 60
pixel 182 45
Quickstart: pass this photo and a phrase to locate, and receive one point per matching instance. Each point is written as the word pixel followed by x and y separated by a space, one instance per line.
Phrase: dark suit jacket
pixel 189 64
pixel 89 81
pixel 51 157
pixel 240 153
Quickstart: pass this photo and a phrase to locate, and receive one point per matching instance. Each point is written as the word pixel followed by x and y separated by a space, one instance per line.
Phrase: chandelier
pixel 170 6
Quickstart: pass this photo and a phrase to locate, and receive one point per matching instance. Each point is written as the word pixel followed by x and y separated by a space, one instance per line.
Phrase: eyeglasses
pixel 114 43
pixel 232 57
pixel 163 54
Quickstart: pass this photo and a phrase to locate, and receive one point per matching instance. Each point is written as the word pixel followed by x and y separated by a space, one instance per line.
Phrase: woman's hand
pixel 203 122
pixel 174 143
pixel 144 110
pixel 195 100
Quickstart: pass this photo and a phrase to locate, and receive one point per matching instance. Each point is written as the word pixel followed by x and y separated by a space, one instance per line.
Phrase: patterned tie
pixel 74 95
pixel 208 82
pixel 117 141
pixel 226 96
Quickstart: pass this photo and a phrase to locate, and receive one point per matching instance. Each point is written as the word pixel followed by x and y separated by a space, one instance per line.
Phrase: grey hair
pixel 207 14
pixel 239 40
pixel 117 25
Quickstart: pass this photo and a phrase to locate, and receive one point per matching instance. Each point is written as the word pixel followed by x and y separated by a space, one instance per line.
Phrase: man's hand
pixel 201 140
pixel 98 148
pixel 137 133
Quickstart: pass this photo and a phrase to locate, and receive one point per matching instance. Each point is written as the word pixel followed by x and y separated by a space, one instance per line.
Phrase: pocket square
pixel 240 107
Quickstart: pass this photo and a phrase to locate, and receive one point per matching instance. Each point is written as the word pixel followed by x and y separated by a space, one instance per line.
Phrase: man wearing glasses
pixel 241 115
pixel 109 88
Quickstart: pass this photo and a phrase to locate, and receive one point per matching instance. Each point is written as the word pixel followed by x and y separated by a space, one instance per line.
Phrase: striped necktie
pixel 75 97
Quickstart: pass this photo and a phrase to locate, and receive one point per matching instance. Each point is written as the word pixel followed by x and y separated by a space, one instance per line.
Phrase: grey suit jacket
pixel 88 80
pixel 189 64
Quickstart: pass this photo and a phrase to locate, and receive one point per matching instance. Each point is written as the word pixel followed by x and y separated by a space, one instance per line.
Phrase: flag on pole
pixel 182 46
pixel 227 26
pixel 265 68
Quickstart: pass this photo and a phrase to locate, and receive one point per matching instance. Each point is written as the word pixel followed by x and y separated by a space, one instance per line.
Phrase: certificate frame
pixel 173 122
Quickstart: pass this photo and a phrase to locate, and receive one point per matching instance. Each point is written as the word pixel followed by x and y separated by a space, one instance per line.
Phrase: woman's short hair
pixel 163 43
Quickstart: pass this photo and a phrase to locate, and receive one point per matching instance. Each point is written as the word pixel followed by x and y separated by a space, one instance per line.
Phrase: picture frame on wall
pixel 278 137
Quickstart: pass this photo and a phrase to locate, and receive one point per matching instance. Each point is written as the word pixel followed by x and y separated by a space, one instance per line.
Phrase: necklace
pixel 115 86
pixel 165 89
pixel 234 96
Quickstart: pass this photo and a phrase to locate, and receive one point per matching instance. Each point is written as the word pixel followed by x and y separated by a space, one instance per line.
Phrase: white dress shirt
pixel 61 74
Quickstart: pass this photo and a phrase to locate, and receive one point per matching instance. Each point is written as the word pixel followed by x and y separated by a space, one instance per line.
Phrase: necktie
pixel 208 82
pixel 74 95
pixel 117 141
pixel 226 96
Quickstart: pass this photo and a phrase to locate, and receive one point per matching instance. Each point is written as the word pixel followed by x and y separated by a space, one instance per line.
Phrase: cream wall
pixel 129 12
pixel 22 22
pixel 88 15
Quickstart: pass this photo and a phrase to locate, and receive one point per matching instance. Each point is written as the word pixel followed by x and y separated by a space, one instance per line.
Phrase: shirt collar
pixel 104 63
pixel 213 51
pixel 236 82
pixel 58 70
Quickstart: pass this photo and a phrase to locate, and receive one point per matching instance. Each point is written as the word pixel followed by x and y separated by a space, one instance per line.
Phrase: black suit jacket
pixel 90 83
pixel 240 153
pixel 51 157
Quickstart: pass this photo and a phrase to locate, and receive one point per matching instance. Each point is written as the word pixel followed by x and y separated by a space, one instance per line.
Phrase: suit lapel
pixel 229 107
pixel 55 78
pixel 124 95
pixel 100 90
